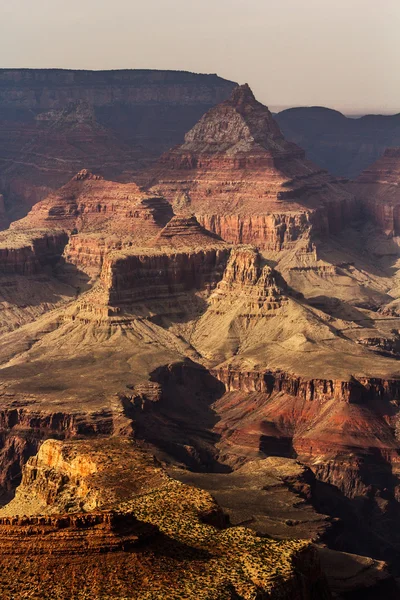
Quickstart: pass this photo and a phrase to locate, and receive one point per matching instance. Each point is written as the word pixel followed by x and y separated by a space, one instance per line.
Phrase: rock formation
pixel 244 181
pixel 95 216
pixel 40 156
pixel 55 122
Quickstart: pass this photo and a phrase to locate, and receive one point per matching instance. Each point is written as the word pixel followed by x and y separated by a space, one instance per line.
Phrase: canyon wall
pixel 28 254
pixel 162 276
pixel 344 146
pixel 246 182
pixel 150 534
pixel 377 189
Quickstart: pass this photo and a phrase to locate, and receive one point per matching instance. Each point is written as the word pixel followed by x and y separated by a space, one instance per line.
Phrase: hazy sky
pixel 339 53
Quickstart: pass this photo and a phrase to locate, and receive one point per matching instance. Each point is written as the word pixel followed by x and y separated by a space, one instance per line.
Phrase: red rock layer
pixel 88 203
pixel 54 123
pixel 69 535
pixel 142 278
pixel 378 190
pixel 97 215
pixel 243 180
pixel 336 427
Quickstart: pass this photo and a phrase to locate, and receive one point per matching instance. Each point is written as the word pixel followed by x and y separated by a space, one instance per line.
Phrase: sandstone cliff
pixel 96 216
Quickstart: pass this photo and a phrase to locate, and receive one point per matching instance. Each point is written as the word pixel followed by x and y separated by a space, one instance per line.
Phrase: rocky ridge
pixel 343 145
pixel 217 356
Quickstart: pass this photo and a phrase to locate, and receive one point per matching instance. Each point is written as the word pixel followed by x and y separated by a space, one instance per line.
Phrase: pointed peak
pixel 187 228
pixel 242 95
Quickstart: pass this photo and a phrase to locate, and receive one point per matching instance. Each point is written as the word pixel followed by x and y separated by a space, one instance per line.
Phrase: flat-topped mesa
pixel 165 276
pixel 378 190
pixel 240 177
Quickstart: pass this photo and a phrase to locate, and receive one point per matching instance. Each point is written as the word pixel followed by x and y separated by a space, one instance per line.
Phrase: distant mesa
pixel 344 146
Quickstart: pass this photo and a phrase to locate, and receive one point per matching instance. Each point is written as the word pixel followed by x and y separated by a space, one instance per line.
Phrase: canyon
pixel 222 324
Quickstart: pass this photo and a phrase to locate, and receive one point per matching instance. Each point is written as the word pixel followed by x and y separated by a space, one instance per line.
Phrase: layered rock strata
pixel 244 181
pixel 40 156
pixel 54 123
pixel 96 216
pixel 31 252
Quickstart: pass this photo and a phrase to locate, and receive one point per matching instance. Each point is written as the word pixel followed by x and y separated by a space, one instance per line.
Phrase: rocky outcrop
pixel 96 215
pixel 143 530
pixel 377 188
pixel 67 536
pixel 353 391
pixel 274 231
pixel 88 203
pixel 30 253
pixel 22 431
pixel 140 278
pixel 246 277
pixel 243 180
pixel 159 277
